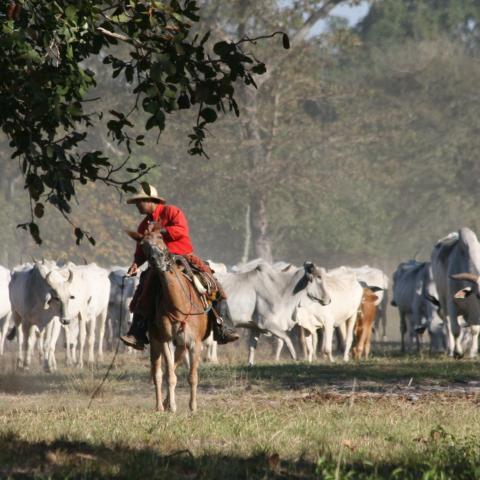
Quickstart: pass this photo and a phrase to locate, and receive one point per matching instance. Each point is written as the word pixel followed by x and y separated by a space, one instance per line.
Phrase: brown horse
pixel 179 320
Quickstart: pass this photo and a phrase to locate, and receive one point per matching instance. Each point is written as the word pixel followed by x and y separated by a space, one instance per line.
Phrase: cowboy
pixel 175 233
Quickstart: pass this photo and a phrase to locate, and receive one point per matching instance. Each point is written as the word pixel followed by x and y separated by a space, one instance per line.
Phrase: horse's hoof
pixel 457 356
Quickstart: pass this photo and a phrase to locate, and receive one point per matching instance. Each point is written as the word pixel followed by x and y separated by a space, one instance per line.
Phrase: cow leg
pixel 383 315
pixel 415 321
pixel 3 334
pixel 50 360
pixel 284 336
pixel 171 376
pixel 302 333
pixel 367 343
pixel 91 340
pixel 475 330
pixel 450 337
pixel 156 369
pixel 341 336
pixel 82 334
pixel 350 324
pixel 278 349
pixel 194 354
pixel 455 331
pixel 43 337
pixel 314 344
pixel 328 340
pixel 358 349
pixel 102 319
pixel 68 352
pixel 20 338
pixel 309 346
pixel 29 344
pixel 252 345
pixel 403 330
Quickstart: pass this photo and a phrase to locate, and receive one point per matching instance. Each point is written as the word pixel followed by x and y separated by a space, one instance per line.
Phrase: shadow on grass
pixel 387 372
pixel 384 370
pixel 20 459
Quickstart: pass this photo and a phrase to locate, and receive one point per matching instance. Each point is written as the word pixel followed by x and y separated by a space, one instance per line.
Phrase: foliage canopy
pixel 44 108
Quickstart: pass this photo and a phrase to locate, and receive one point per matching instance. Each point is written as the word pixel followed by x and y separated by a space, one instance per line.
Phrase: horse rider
pixel 175 233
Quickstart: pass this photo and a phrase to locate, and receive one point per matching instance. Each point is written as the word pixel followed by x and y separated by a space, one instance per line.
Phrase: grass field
pixel 390 417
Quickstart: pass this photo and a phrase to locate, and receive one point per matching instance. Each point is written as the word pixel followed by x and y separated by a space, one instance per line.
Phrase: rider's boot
pixel 136 336
pixel 222 333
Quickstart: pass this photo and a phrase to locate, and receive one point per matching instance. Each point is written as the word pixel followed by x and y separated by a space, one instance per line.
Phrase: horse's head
pixel 154 247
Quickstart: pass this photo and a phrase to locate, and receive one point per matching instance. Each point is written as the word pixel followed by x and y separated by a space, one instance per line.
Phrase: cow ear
pixel 463 293
pixel 134 235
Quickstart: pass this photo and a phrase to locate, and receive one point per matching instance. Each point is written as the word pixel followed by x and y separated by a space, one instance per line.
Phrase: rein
pixel 187 295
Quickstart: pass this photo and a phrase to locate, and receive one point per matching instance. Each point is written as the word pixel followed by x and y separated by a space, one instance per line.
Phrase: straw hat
pixel 146 194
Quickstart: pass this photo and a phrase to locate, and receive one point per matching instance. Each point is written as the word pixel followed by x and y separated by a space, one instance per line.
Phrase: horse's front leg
pixel 156 368
pixel 171 376
pixel 194 353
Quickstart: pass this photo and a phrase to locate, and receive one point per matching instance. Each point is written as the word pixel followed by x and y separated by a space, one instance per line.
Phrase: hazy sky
pixel 353 14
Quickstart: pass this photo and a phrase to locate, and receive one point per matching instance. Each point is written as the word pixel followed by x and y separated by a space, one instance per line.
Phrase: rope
pixel 107 373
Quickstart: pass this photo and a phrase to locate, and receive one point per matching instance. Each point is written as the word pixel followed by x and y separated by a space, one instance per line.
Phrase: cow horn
pixel 469 277
pixel 70 276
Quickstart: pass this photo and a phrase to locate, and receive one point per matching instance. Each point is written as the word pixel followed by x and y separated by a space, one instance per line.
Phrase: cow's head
pixel 57 292
pixel 154 247
pixel 473 289
pixel 314 283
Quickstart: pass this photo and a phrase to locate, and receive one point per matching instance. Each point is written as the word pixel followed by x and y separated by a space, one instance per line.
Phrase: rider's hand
pixel 133 270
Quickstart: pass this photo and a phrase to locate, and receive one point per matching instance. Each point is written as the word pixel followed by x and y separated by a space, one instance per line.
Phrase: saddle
pixel 201 277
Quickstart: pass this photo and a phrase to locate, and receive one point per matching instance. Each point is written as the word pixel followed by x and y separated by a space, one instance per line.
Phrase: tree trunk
pixel 248 235
pixel 259 218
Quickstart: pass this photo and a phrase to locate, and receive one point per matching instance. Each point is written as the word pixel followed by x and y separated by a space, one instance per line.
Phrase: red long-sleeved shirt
pixel 177 238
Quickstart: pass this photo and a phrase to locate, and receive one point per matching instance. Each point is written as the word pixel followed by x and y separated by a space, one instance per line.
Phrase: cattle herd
pixel 41 302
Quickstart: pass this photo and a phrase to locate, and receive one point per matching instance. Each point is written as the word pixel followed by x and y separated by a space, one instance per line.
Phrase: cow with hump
pixel 264 300
pixel 416 297
pixel 456 269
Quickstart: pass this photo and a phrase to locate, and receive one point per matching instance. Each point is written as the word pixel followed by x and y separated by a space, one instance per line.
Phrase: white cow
pixel 456 269
pixel 89 307
pixel 119 316
pixel 415 295
pixel 264 300
pixel 38 294
pixel 5 307
pixel 346 293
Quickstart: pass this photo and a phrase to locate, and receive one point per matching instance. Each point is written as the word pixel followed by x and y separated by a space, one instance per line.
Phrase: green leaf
pixel 285 41
pixel 209 115
pixel 39 210
pixel 259 68
pixel 223 48
pixel 146 187
pixel 151 122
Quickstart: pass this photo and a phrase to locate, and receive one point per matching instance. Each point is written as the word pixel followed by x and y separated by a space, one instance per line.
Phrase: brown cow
pixel 364 324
